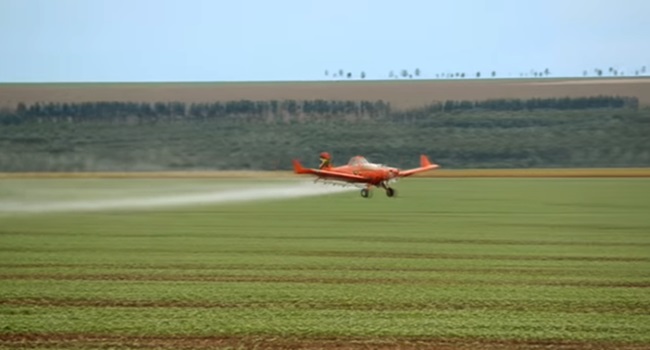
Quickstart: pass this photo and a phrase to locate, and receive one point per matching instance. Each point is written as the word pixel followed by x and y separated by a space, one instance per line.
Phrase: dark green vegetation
pixel 497 263
pixel 264 135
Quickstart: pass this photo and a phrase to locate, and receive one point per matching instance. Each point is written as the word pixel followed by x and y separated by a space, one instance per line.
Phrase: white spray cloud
pixel 175 200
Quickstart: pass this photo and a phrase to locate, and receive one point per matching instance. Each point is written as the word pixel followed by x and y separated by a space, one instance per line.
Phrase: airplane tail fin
pixel 425 165
pixel 298 168
pixel 424 161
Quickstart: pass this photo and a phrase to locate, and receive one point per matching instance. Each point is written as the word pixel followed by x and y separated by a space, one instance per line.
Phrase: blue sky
pixel 213 40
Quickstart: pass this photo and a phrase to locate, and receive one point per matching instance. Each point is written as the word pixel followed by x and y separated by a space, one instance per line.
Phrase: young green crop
pixel 450 260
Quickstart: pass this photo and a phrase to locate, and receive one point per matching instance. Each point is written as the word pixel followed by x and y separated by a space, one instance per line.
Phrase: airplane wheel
pixel 390 192
pixel 365 193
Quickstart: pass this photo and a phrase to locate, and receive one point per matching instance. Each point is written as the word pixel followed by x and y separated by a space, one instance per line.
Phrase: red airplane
pixel 360 171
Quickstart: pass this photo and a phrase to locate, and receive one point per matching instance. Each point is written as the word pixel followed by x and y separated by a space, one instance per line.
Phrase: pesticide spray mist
pixel 265 193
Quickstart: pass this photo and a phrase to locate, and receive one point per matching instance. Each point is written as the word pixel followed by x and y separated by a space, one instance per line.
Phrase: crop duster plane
pixel 360 172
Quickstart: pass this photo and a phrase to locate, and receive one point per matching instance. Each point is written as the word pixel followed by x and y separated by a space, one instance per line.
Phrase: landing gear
pixel 390 192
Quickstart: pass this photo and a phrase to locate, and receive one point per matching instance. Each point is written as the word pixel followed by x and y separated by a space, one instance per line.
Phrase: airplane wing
pixel 298 169
pixel 425 165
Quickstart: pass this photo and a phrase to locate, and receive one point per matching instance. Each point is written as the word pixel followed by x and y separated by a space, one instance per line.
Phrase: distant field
pixel 443 173
pixel 448 264
pixel 400 93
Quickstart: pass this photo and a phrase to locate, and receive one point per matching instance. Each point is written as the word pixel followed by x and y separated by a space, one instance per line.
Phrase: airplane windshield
pixel 357 161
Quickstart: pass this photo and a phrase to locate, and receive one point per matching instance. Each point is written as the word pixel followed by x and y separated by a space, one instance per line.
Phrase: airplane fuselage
pixel 376 174
pixel 359 170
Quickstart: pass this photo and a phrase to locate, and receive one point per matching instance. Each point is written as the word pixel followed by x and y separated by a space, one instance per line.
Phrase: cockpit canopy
pixel 358 161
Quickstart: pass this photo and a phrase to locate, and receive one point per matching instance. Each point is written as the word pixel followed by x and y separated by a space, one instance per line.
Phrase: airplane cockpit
pixel 359 161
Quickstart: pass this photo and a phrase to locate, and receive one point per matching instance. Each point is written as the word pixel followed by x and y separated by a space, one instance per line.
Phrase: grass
pixel 455 263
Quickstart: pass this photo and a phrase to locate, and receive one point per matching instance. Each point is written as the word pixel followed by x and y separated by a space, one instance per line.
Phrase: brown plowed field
pixel 110 341
pixel 400 93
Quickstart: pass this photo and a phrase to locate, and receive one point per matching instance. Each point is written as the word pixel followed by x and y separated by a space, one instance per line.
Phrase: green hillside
pixel 265 135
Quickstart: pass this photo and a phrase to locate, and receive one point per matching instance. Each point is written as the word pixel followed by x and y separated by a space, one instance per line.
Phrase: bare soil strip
pixel 86 340
pixel 269 175
pixel 591 82
pixel 401 93
pixel 541 173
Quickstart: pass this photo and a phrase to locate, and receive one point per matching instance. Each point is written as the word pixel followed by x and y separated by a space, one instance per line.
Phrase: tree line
pixel 463 138
pixel 88 111
pixel 554 103
pixel 277 110
pixel 542 73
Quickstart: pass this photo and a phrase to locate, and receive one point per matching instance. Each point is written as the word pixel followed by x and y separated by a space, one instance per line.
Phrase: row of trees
pixel 85 111
pixel 514 104
pixel 393 74
pixel 546 72
pixel 615 72
pixel 271 110
pixel 542 138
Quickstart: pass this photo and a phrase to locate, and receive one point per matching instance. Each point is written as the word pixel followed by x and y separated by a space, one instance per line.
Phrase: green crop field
pixel 449 263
